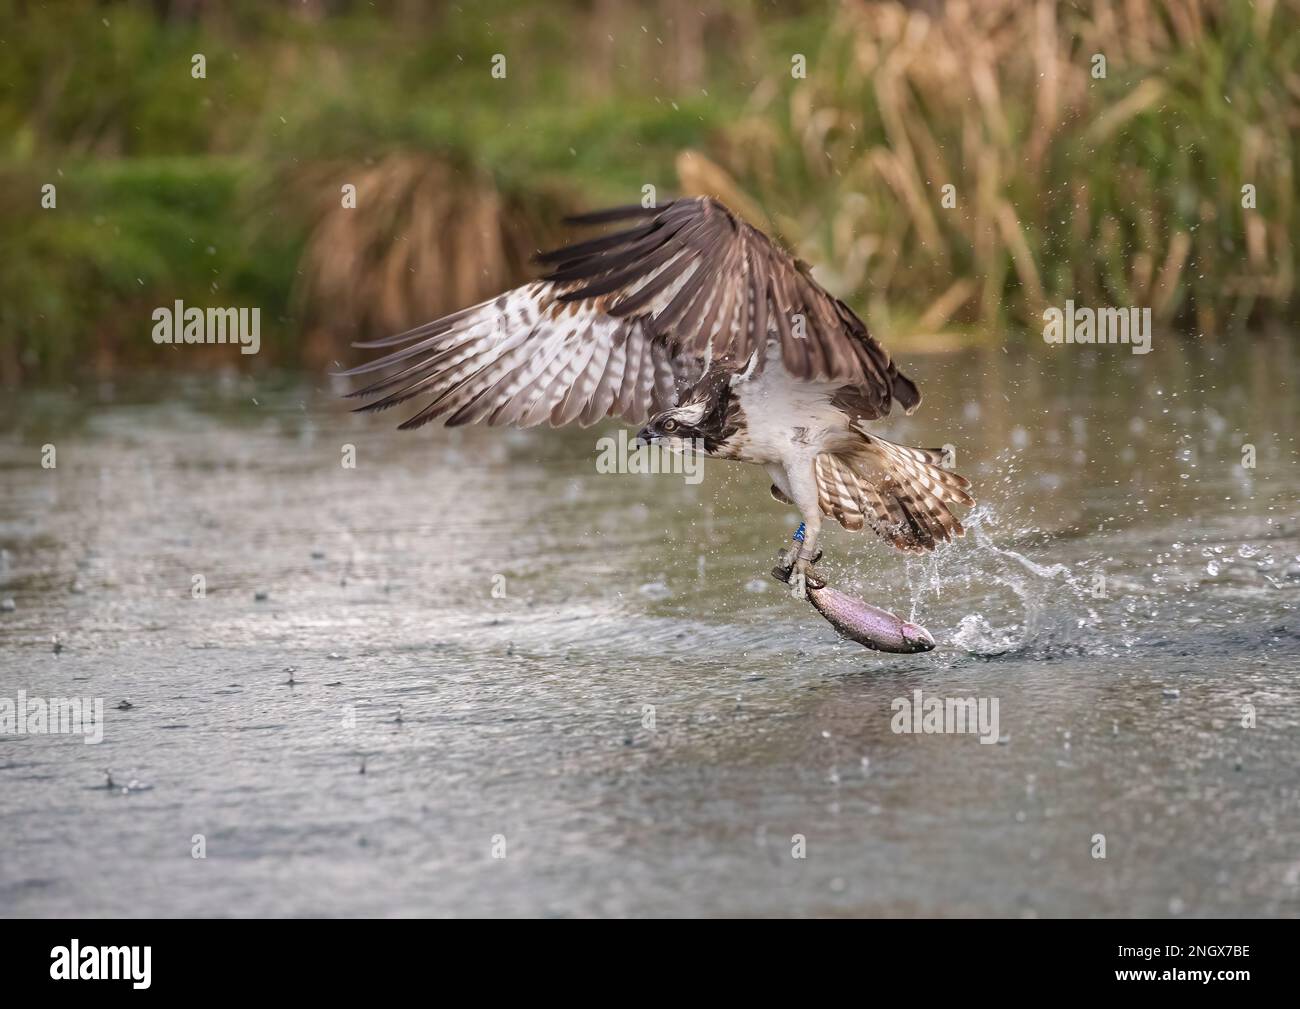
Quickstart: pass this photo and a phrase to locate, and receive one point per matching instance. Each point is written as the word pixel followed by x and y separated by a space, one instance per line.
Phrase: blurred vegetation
pixel 1122 189
pixel 226 190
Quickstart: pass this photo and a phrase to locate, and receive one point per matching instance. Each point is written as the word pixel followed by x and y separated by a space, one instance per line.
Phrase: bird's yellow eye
pixel 670 425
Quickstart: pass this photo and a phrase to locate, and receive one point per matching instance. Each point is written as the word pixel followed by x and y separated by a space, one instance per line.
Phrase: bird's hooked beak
pixel 646 435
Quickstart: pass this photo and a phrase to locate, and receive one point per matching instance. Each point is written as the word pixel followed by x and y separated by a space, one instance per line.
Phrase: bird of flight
pixel 695 325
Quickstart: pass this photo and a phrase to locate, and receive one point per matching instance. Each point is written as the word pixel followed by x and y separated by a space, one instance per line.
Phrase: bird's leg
pixel 791 555
pixel 808 555
pixel 795 565
pixel 798 483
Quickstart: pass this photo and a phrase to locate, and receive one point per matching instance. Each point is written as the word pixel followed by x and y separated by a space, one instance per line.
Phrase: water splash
pixel 976 636
pixel 1038 589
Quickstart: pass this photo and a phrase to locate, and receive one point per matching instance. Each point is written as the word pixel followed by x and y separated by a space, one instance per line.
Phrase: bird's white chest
pixel 786 420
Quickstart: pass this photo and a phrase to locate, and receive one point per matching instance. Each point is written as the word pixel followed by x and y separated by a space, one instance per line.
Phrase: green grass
pixel 171 187
pixel 125 237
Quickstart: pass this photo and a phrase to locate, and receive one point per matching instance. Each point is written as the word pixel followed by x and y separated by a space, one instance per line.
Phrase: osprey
pixel 695 325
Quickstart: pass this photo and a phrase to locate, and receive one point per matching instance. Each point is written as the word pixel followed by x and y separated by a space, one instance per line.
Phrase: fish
pixel 869 625
pixel 859 621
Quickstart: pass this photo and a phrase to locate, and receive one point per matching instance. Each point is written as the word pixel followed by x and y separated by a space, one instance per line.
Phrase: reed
pixel 427 236
pixel 1124 189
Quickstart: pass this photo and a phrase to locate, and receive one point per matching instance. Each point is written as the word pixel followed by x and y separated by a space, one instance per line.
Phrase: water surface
pixel 593 674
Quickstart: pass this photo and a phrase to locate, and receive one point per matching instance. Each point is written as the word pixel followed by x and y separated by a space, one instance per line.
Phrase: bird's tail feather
pixel 902 493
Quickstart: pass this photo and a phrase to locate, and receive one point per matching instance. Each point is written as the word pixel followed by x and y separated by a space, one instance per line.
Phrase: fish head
pixel 916 636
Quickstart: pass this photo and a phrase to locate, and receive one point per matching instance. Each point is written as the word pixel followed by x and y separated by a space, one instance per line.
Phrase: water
pixel 644 721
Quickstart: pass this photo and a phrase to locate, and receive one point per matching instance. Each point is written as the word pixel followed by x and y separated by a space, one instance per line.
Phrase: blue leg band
pixel 798 533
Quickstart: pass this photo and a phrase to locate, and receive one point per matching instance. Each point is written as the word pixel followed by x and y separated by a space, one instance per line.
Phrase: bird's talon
pixel 804 567
pixel 791 563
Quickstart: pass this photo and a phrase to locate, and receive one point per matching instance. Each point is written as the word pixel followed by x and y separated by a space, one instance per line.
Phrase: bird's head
pixel 681 424
pixel 705 419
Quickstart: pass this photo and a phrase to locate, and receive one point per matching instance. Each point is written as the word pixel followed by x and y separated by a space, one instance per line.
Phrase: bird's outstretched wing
pixel 625 322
